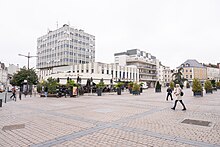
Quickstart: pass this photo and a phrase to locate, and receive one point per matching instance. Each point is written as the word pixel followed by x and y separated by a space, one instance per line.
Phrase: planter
pixel 49 95
pixel 198 93
pixel 99 92
pixel 208 91
pixel 119 91
pixel 136 92
pixel 157 90
pixel 218 87
pixel 214 89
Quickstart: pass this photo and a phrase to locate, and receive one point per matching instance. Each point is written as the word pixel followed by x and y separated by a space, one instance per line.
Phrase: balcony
pixel 135 59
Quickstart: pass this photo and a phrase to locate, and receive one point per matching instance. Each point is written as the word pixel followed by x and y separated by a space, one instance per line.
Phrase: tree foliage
pixel 24 74
pixel 197 86
pixel 51 84
pixel 172 85
pixel 208 85
pixel 136 87
pixel 179 78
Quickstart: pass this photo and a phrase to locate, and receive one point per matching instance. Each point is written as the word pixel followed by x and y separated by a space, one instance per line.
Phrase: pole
pixel 5 96
pixel 28 58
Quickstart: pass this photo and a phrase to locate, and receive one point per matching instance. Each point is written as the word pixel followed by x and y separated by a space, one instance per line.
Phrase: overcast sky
pixel 171 30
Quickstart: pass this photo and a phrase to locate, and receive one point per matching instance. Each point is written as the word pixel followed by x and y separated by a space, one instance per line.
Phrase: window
pixel 186 76
pixel 186 70
pixel 190 76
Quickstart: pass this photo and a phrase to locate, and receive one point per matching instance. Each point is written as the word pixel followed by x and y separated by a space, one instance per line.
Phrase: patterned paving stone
pixel 111 120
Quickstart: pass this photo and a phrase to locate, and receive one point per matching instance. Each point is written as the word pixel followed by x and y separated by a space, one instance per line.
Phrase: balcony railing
pixel 140 60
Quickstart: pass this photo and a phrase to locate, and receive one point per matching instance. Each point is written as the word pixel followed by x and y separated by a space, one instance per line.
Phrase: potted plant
pixel 70 87
pixel 99 88
pixel 172 85
pixel 158 87
pixel 119 86
pixel 136 89
pixel 214 88
pixel 130 85
pixel 208 86
pixel 197 88
pixel 218 85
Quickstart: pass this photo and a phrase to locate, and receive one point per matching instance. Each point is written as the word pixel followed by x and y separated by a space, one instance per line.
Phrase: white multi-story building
pixel 145 62
pixel 12 69
pixel 213 72
pixel 64 46
pixel 164 74
pixel 97 71
pixel 3 74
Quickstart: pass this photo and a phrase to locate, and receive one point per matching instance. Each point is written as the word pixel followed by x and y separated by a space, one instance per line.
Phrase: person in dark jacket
pixel 169 93
pixel 46 91
pixel 13 93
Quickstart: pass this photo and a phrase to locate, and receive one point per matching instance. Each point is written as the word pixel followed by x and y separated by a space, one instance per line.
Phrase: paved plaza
pixel 111 120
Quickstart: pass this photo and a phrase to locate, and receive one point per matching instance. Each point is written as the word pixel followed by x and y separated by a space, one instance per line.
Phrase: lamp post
pixel 27 56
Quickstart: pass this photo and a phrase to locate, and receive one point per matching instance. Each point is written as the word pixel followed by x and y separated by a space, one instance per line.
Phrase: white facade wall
pixel 99 71
pixel 213 73
pixel 65 46
pixel 12 69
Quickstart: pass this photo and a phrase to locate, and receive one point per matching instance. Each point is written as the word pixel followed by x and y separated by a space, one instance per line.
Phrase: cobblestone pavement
pixel 111 120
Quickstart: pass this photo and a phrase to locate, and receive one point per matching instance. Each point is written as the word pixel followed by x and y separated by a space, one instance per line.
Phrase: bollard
pixel 5 97
pixel 19 95
pixel 0 102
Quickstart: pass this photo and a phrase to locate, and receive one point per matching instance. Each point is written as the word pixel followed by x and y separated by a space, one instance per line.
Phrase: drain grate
pixel 197 122
pixel 13 127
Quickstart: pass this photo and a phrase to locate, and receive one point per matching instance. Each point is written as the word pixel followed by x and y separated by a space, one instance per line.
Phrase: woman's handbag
pixel 181 93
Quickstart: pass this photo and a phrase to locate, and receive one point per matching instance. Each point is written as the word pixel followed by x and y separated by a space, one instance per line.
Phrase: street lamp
pixel 27 56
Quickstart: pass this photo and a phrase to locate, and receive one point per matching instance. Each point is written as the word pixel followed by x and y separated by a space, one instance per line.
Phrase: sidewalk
pixel 112 120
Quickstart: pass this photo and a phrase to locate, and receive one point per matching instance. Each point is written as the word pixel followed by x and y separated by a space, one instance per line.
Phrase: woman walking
pixel 177 93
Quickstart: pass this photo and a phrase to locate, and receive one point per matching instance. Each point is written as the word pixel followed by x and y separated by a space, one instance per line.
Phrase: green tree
pixel 208 85
pixel 179 78
pixel 197 86
pixel 24 74
pixel 51 84
pixel 213 83
pixel 172 85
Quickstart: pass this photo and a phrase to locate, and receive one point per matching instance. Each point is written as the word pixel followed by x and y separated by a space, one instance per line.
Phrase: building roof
pixel 191 63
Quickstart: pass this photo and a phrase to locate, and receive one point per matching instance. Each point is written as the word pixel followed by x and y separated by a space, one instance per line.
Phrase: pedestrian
pixel 169 93
pixel 13 93
pixel 177 93
pixel 45 91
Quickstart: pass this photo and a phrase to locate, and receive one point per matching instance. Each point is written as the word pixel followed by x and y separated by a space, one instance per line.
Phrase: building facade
pixel 65 46
pixel 213 72
pixel 164 74
pixel 193 69
pixel 3 74
pixel 97 71
pixel 145 62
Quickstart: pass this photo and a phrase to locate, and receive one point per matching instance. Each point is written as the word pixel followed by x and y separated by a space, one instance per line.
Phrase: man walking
pixel 169 93
pixel 13 93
